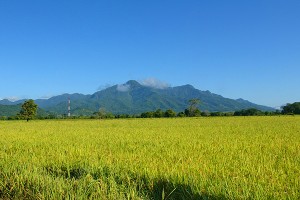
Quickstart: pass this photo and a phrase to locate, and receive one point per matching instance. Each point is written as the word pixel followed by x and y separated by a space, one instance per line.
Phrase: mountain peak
pixel 187 86
pixel 133 83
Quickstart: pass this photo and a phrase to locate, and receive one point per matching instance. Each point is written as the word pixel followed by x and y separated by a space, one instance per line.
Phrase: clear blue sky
pixel 247 49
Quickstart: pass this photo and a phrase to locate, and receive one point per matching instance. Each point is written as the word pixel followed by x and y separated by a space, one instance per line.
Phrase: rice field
pixel 180 158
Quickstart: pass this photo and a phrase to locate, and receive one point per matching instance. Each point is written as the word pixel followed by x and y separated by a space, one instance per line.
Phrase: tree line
pixel 29 111
pixel 291 109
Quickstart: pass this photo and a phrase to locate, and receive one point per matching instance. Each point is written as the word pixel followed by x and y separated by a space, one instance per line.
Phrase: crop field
pixel 181 158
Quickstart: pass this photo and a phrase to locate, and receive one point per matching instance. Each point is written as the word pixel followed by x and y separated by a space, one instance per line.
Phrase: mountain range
pixel 134 98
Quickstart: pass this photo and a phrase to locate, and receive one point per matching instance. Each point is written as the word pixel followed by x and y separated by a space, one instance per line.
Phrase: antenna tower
pixel 69 107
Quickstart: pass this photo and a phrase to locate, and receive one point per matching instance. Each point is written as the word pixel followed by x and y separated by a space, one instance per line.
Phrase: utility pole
pixel 69 107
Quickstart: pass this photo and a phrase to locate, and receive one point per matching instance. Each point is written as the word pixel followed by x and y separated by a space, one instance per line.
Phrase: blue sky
pixel 247 49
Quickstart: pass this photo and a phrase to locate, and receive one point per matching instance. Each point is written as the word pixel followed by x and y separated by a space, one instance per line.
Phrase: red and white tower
pixel 69 107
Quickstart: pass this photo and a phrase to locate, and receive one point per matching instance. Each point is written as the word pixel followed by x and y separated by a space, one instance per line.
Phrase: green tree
pixel 170 113
pixel 193 110
pixel 180 114
pixel 249 112
pixel 101 113
pixel 158 113
pixel 147 114
pixel 293 108
pixel 29 110
pixel 204 114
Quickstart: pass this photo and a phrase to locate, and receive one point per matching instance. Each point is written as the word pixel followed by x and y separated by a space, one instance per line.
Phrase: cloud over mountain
pixel 123 87
pixel 12 99
pixel 154 83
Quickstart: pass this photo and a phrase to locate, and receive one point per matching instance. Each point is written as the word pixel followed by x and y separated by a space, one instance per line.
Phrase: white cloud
pixel 154 83
pixel 103 87
pixel 12 99
pixel 123 87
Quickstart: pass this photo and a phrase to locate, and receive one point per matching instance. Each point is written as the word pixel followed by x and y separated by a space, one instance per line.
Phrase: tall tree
pixel 29 110
pixel 102 113
pixel 193 107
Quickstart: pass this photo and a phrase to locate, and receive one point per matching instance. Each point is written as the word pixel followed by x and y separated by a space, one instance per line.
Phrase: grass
pixel 188 158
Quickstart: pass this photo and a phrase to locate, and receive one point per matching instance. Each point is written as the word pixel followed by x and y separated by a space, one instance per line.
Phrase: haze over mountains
pixel 135 98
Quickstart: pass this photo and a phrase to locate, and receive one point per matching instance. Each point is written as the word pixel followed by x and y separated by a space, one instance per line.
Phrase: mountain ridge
pixel 133 97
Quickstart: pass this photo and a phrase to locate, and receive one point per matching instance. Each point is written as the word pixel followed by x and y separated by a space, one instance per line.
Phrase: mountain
pixel 9 110
pixel 134 98
pixel 8 102
pixel 13 110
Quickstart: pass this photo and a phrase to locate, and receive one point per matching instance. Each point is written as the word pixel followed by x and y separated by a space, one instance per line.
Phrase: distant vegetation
pixel 9 110
pixel 191 111
pixel 293 108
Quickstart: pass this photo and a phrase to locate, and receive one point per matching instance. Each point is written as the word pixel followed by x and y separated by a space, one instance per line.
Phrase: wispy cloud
pixel 13 98
pixel 103 87
pixel 154 83
pixel 123 87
